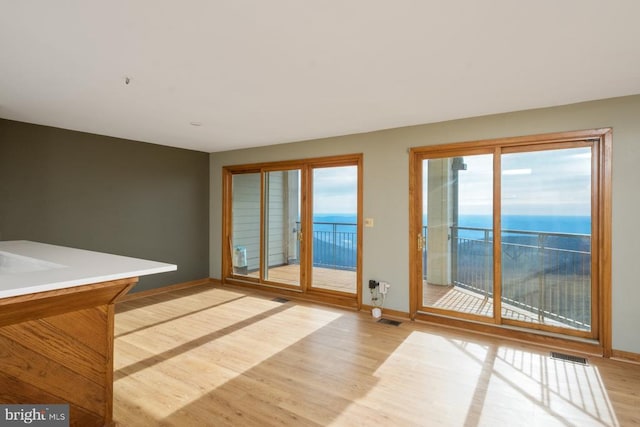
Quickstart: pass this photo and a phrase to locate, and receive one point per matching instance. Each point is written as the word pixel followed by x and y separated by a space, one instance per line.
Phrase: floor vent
pixel 389 322
pixel 569 358
pixel 278 299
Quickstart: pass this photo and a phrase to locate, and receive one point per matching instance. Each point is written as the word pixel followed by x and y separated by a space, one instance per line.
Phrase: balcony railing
pixel 547 274
pixel 334 245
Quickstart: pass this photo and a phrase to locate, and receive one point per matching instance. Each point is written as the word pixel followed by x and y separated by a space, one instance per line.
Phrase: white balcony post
pixel 439 221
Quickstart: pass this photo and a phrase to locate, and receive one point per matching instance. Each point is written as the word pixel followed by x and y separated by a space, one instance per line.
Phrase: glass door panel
pixel 457 224
pixel 546 237
pixel 282 226
pixel 335 228
pixel 245 220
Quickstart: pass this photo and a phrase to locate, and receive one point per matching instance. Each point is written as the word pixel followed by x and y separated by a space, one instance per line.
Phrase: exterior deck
pixel 545 280
pixel 323 278
pixel 459 299
pixel 451 297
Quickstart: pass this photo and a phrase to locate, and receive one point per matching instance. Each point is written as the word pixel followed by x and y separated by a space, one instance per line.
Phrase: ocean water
pixel 335 243
pixel 541 223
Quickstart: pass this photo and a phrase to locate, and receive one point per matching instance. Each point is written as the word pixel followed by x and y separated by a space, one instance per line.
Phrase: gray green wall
pixel 106 194
pixel 386 195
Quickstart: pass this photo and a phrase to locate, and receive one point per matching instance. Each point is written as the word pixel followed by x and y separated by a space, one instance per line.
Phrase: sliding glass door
pixel 508 232
pixel 265 218
pixel 457 222
pixel 282 227
pixel 295 225
pixel 546 237
pixel 244 240
pixel 335 228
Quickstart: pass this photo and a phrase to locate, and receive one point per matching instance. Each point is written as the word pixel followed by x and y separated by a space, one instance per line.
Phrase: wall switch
pixel 368 222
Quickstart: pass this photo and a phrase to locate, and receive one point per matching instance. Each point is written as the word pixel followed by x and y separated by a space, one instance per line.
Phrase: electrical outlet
pixel 373 284
pixel 383 287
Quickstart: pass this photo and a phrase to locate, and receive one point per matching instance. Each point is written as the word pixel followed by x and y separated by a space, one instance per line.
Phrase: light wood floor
pixel 225 357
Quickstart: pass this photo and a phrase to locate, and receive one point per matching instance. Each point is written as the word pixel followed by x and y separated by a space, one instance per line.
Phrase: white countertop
pixel 28 267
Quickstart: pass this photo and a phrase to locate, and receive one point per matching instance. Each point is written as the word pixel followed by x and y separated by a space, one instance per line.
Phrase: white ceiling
pixel 256 72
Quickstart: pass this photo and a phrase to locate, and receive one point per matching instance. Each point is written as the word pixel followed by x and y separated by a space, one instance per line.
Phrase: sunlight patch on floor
pixel 554 392
pixel 412 365
pixel 214 358
pixel 484 384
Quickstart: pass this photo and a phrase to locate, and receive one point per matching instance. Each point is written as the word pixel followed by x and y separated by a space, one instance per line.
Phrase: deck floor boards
pixel 323 278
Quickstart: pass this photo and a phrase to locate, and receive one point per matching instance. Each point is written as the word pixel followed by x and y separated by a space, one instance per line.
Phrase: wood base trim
pixel 625 356
pixel 315 297
pixel 496 331
pixel 163 289
pixel 387 312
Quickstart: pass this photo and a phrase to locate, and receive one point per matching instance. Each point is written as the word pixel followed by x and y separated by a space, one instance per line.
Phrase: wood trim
pixel 625 356
pixel 108 378
pixel 335 300
pixel 557 137
pixel 261 227
pixel 513 334
pixel 305 166
pixel 344 159
pixel 601 140
pixel 7 301
pixel 66 336
pixel 543 146
pixel 226 249
pixel 156 291
pixel 23 308
pixel 124 291
pixel 552 329
pixel 306 245
pixel 360 229
pixel 337 161
pixel 596 218
pixel 415 229
pixel 604 241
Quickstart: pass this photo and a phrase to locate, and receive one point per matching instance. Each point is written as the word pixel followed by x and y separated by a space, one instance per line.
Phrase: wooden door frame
pixel 304 291
pixel 601 230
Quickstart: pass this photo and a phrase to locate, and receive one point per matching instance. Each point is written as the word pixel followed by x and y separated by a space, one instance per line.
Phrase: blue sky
pixel 551 182
pixel 335 190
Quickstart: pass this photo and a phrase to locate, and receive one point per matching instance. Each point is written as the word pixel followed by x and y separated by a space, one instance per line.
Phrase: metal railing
pixel 547 274
pixel 335 245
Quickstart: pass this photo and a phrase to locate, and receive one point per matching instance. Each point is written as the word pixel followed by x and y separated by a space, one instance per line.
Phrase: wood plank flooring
pixel 226 357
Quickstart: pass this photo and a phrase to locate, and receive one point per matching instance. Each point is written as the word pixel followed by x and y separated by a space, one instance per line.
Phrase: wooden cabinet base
pixel 57 347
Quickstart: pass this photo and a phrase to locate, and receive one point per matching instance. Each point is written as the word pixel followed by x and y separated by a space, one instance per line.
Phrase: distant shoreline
pixel 541 223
